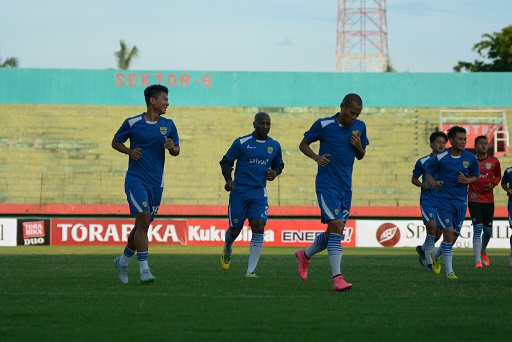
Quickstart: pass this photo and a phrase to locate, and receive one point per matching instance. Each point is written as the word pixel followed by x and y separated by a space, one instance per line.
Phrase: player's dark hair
pixel 452 132
pixel 352 98
pixel 436 134
pixel 480 137
pixel 259 115
pixel 153 91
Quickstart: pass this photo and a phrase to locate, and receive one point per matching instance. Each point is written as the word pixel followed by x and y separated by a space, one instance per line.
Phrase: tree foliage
pixel 125 55
pixel 11 62
pixel 496 47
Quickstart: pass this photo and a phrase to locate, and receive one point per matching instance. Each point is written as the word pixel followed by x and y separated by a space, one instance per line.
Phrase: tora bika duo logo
pixel 388 234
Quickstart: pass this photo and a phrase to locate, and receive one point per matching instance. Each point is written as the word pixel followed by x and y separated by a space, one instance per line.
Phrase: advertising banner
pixel 79 232
pixel 410 233
pixel 33 232
pixel 8 232
pixel 282 233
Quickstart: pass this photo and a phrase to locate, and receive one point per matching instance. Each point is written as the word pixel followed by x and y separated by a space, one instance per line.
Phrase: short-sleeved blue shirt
pixel 335 140
pixel 149 137
pixel 447 167
pixel 253 159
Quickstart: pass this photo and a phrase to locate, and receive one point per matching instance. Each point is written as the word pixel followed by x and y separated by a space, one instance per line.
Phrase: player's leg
pixel 257 213
pixel 488 217
pixel 237 213
pixel 256 246
pixel 510 225
pixel 447 248
pixel 336 207
pixel 143 221
pixel 476 212
pixel 430 242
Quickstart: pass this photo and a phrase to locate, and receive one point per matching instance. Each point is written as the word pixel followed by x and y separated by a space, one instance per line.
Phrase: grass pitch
pixel 72 294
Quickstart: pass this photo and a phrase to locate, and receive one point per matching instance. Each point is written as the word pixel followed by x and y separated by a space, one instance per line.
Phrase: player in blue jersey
pixel 150 135
pixel 438 141
pixel 342 138
pixel 456 169
pixel 258 160
pixel 506 184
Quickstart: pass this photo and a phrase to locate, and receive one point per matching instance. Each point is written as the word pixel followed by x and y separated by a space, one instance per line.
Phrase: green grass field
pixel 72 294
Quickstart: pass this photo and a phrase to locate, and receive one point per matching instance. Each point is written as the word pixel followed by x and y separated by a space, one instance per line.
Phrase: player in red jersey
pixel 481 200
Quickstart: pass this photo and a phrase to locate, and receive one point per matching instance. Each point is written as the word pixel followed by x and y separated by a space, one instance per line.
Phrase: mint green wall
pixel 262 89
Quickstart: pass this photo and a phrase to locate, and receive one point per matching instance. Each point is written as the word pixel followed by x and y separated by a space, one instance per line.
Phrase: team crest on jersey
pixel 163 130
pixel 466 164
pixel 270 149
pixel 144 204
pixel 356 133
pixel 488 166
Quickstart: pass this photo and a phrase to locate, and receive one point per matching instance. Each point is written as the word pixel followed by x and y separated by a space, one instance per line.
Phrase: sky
pixel 237 35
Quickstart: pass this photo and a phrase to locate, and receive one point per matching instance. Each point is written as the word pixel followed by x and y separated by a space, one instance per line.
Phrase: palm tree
pixel 125 55
pixel 11 62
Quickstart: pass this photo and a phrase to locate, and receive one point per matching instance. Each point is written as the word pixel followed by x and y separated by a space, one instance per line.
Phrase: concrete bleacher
pixel 62 154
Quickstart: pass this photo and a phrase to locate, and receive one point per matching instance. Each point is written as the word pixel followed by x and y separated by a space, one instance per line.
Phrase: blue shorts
pixel 334 204
pixel 451 214
pixel 246 205
pixel 428 212
pixel 143 199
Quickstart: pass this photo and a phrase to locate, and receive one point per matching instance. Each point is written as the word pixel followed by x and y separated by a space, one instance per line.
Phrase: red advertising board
pixel 282 233
pixel 74 232
pixel 194 232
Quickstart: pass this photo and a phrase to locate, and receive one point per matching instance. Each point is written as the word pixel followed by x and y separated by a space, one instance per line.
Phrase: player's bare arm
pixel 135 154
pixel 304 147
pixel 355 141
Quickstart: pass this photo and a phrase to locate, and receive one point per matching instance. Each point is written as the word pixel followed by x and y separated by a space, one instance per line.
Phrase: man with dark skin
pixel 258 160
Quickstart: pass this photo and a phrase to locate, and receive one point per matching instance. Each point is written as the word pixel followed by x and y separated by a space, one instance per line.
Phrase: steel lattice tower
pixel 362 36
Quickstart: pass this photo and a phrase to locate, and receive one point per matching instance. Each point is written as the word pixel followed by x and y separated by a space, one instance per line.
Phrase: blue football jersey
pixel 447 167
pixel 335 140
pixel 420 169
pixel 253 159
pixel 507 179
pixel 149 137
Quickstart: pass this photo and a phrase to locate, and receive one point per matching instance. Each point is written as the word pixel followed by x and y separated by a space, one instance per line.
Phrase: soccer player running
pixel 151 135
pixel 456 168
pixel 481 200
pixel 506 184
pixel 342 138
pixel 258 160
pixel 438 142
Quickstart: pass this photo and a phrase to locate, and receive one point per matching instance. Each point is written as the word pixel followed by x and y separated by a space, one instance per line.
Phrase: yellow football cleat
pixel 225 261
pixel 451 276
pixel 436 265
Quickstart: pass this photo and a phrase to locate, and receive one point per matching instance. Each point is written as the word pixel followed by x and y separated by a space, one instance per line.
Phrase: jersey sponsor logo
pixel 249 146
pixel 388 234
pixel 258 161
pixel 163 130
pixel 465 164
pixel 270 149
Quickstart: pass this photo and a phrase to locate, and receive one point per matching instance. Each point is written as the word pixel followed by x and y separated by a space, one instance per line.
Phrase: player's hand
pixel 271 175
pixel 169 143
pixel 355 140
pixel 323 160
pixel 461 178
pixel 135 153
pixel 489 186
pixel 438 184
pixel 229 186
